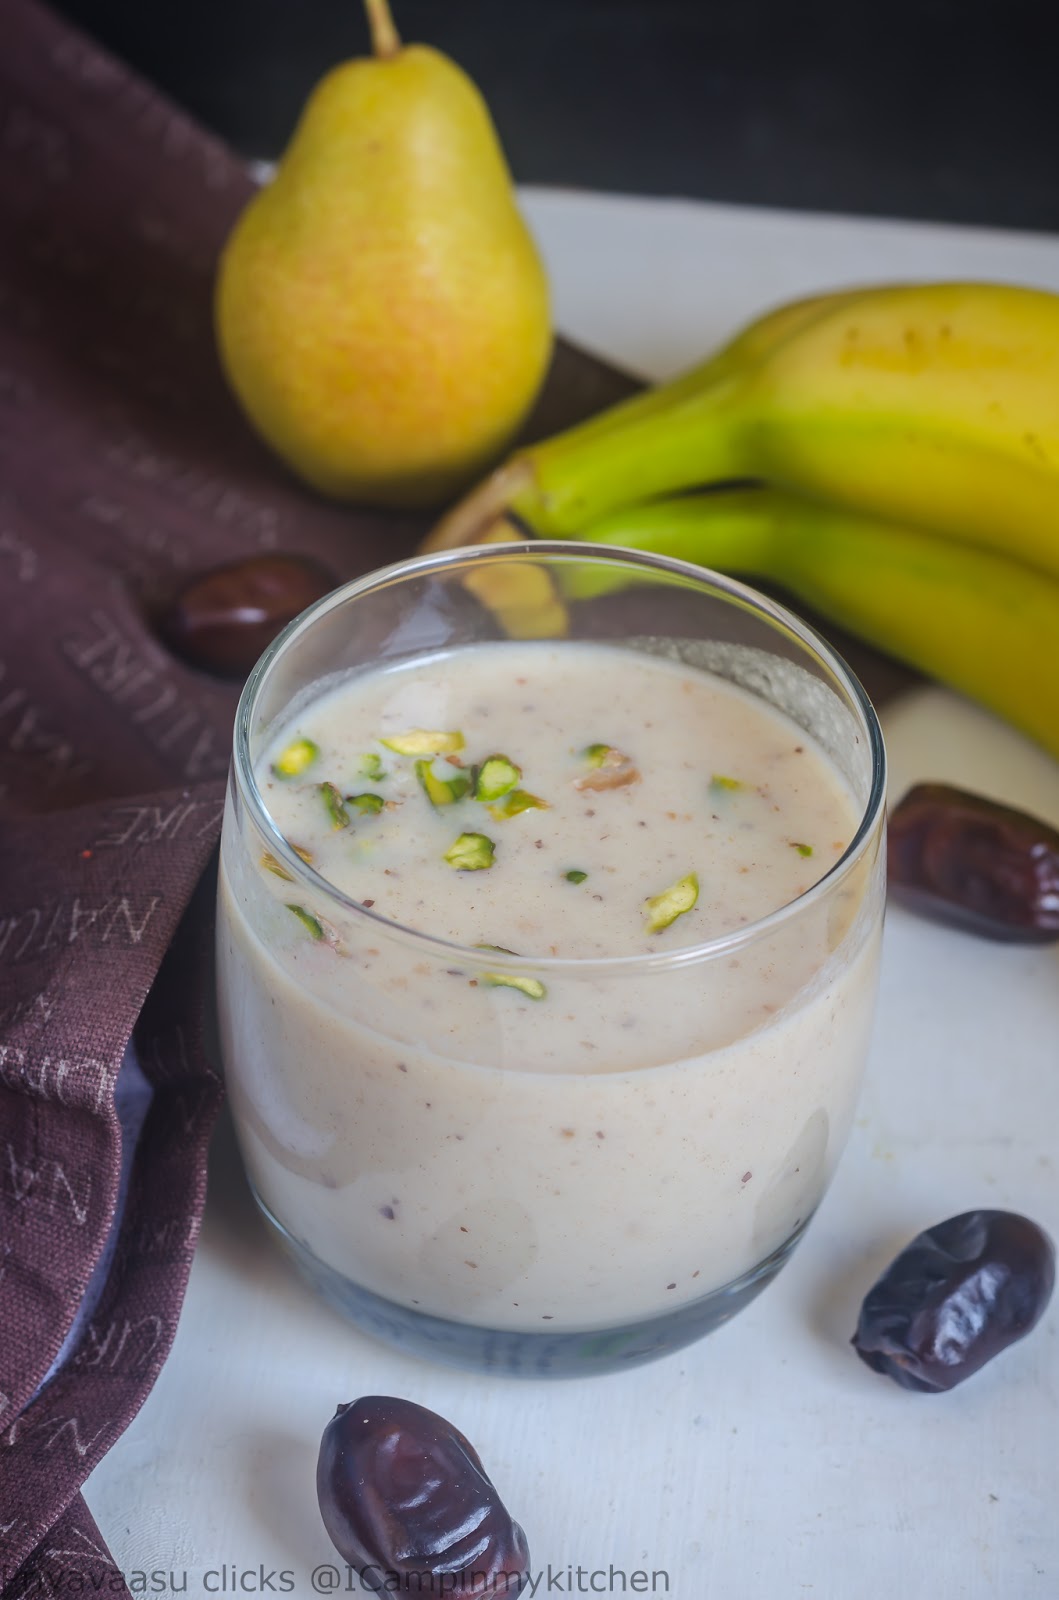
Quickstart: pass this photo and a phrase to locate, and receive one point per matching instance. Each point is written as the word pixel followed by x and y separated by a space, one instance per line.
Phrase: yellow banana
pixel 987 626
pixel 937 406
pixel 934 405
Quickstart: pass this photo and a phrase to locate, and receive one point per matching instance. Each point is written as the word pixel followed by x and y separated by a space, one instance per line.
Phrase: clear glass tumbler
pixel 377 1153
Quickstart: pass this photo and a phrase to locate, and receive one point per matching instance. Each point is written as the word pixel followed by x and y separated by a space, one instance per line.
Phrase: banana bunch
pixel 889 455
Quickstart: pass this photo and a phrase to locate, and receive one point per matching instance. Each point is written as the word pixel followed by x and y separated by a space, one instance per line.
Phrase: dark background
pixel 943 109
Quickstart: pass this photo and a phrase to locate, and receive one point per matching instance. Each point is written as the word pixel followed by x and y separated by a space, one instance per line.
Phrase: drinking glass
pixel 438 1186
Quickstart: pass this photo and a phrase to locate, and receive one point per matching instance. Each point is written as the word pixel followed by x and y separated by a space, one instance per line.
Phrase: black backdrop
pixel 945 109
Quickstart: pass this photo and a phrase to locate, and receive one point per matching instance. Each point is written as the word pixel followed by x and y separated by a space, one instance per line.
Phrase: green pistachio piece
pixel 515 803
pixel 307 921
pixel 802 849
pixel 722 785
pixel 424 742
pixel 594 755
pixel 269 862
pixel 369 805
pixel 295 759
pixel 371 767
pixel 497 776
pixel 334 805
pixel 471 852
pixel 575 875
pixel 533 987
pixel 440 791
pixel 672 903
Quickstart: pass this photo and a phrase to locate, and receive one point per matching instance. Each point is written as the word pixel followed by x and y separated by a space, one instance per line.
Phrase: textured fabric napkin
pixel 124 466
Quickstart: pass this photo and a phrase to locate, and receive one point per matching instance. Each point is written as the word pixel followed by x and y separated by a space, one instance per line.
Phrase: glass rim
pixel 569 551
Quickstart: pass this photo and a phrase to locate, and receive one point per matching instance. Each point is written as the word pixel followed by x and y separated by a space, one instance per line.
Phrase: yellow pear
pixel 382 312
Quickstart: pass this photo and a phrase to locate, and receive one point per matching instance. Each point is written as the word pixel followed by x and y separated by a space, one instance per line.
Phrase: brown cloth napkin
pixel 123 466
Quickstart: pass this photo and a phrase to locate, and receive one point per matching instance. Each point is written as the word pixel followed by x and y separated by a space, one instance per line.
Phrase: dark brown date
pixel 956 1297
pixel 221 620
pixel 969 861
pixel 407 1503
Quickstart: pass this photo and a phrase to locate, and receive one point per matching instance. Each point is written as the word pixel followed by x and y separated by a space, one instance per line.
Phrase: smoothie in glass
pixel 481 1070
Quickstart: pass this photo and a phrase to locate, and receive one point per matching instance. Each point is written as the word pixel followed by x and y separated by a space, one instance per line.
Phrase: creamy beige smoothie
pixel 548 1113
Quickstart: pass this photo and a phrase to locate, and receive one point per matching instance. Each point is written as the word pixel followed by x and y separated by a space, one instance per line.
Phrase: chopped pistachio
pixel 471 852
pixel 369 805
pixel 595 754
pixel 575 875
pixel 334 805
pixel 672 903
pixel 308 921
pixel 533 987
pixel 424 742
pixel 295 759
pixel 306 855
pixel 515 803
pixel 802 849
pixel 371 767
pixel 440 791
pixel 497 776
pixel 722 785
pixel 269 862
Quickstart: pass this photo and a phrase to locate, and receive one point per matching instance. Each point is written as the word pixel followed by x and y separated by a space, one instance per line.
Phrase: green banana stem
pixel 982 624
pixel 556 486
pixel 749 346
pixel 735 532
pixel 696 438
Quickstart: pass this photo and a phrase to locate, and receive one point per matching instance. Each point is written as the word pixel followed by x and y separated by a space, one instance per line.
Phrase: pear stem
pixel 385 40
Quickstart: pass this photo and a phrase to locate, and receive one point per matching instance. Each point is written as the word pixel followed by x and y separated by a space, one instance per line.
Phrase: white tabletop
pixel 765 1462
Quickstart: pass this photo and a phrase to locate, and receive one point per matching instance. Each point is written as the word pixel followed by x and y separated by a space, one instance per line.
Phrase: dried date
pixel 407 1503
pixel 972 862
pixel 954 1298
pixel 222 620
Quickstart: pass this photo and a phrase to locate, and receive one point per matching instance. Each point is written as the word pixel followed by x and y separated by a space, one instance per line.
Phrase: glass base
pixel 513 1354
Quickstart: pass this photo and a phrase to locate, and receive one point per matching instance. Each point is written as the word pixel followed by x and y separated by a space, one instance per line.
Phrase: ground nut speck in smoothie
pixel 513 1128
